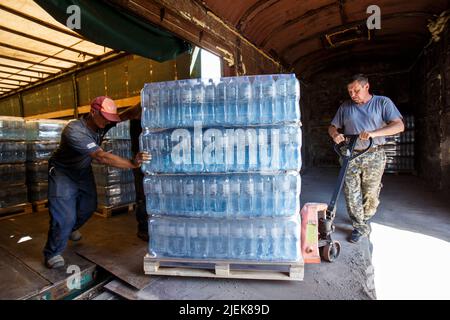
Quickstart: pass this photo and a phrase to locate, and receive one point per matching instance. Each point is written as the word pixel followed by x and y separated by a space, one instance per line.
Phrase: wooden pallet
pixel 109 211
pixel 14 211
pixel 224 269
pixel 39 206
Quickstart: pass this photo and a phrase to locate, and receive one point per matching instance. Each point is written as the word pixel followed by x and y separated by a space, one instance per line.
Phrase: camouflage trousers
pixel 362 188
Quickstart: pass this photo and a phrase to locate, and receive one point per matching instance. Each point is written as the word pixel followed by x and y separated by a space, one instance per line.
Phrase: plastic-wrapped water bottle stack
pixel 12 161
pixel 43 137
pixel 224 178
pixel 115 186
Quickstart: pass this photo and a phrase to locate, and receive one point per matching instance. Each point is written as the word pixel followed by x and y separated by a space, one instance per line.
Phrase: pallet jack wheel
pixel 331 251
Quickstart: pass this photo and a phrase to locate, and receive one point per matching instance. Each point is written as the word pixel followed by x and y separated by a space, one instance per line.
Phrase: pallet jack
pixel 318 218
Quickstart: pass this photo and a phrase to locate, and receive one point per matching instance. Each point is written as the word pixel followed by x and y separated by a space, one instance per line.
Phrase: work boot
pixel 75 235
pixel 143 234
pixel 54 262
pixel 355 236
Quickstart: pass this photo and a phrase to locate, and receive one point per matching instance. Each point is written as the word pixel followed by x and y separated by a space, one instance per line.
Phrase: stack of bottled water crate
pixel 43 136
pixel 12 161
pixel 115 186
pixel 399 149
pixel 224 179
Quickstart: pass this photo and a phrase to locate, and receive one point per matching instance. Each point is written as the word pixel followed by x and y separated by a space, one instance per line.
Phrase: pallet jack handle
pixel 349 146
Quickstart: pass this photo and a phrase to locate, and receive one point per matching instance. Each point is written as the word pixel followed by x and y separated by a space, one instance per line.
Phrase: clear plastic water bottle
pixel 263 160
pixel 198 100
pixel 186 103
pixel 210 104
pixel 292 242
pixel 261 241
pixel 235 195
pixel 168 195
pixel 144 106
pixel 198 239
pixel 284 149
pixel 275 149
pixel 188 196
pixel 269 195
pixel 154 117
pixel 229 150
pixel 256 112
pixel 240 150
pixel 197 150
pixel 244 100
pixel 177 188
pixel 212 199
pixel 237 241
pixel 268 99
pixel 220 102
pixel 173 244
pixel 218 244
pixel 258 206
pixel 175 110
pixel 200 195
pixel 294 149
pixel 293 94
pixel 160 244
pixel 223 196
pixel 231 110
pixel 281 99
pixel 163 106
pixel 244 197
pixel 251 146
pixel 166 149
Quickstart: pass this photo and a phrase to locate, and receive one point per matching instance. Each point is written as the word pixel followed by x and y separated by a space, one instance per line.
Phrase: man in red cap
pixel 72 195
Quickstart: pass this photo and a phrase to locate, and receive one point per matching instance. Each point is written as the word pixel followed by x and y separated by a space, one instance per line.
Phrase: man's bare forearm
pixel 113 160
pixel 392 128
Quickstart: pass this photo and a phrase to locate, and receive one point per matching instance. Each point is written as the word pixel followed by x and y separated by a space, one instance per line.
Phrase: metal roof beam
pixel 17 80
pixel 5 45
pixel 19 33
pixel 21 75
pixel 31 62
pixel 24 69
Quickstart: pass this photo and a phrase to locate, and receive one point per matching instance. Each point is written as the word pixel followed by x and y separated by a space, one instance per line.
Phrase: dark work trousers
pixel 141 212
pixel 72 199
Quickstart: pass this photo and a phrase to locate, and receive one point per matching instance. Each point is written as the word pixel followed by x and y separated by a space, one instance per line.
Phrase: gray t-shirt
pixel 78 141
pixel 373 115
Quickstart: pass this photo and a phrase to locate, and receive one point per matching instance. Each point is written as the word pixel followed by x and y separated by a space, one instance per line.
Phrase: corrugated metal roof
pixel 34 46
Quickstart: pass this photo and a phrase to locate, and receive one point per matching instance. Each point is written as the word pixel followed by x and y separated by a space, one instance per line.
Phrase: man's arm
pixel 119 162
pixel 393 127
pixel 131 113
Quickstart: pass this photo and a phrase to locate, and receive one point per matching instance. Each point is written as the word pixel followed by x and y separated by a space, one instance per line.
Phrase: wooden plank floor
pixel 17 279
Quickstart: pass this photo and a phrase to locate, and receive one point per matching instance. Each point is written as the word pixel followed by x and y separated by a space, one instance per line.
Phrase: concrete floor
pixel 405 263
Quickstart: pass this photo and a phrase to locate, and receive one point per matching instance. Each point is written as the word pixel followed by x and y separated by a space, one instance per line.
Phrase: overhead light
pixel 347 36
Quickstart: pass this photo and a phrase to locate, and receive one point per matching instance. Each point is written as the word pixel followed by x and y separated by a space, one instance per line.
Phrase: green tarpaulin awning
pixel 103 24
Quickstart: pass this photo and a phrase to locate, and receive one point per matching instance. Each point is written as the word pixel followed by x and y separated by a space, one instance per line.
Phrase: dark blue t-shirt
pixel 372 115
pixel 78 141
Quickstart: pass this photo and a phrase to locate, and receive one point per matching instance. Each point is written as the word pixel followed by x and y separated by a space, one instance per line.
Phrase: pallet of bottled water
pixel 115 187
pixel 44 129
pixel 223 183
pixel 12 128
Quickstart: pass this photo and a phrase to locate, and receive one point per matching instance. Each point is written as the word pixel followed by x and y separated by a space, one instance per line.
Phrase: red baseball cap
pixel 107 108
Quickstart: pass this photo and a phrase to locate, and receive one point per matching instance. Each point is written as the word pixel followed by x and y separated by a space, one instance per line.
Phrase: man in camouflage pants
pixel 369 116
